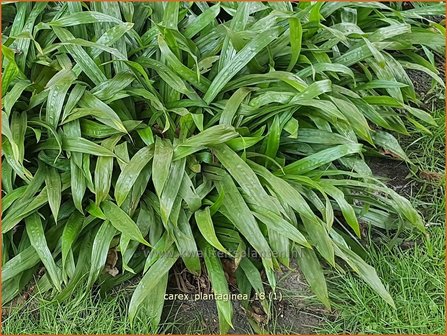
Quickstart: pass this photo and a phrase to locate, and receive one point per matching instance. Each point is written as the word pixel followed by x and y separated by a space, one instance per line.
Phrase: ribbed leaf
pixel 321 158
pixel 100 249
pixel 171 189
pixel 219 284
pixel 54 187
pixel 122 222
pixel 312 270
pixel 162 162
pixel 206 227
pixel 104 170
pixel 71 231
pixel 131 172
pixel 151 279
pixel 238 62
pixel 36 235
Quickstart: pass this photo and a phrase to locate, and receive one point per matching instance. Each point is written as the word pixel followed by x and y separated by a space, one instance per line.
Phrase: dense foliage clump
pixel 164 132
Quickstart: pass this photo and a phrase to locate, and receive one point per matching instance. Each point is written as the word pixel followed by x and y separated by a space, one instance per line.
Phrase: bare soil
pixel 395 173
pixel 294 311
pixel 423 82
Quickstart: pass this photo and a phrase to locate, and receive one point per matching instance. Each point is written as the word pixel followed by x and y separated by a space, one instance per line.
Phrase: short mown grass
pixel 416 280
pixel 85 315
pixel 81 314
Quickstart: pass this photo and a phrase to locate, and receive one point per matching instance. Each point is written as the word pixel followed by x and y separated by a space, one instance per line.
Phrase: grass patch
pixel 87 314
pixel 416 280
pixel 428 154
